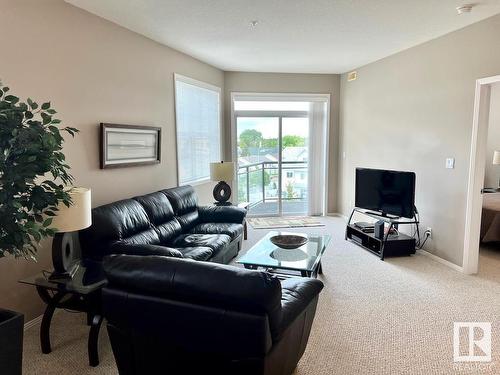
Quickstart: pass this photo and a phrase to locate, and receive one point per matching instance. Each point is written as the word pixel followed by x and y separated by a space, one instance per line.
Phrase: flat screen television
pixel 387 192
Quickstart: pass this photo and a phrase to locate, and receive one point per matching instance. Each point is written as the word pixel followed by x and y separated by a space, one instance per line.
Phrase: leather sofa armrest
pixel 145 249
pixel 296 295
pixel 222 214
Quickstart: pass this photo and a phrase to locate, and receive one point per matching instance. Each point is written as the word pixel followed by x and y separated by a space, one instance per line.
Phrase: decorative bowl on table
pixel 288 241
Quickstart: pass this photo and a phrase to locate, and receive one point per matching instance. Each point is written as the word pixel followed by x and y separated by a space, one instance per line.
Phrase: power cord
pixel 427 235
pixel 419 244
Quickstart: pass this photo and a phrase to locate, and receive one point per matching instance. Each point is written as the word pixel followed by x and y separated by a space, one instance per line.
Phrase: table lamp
pixel 65 256
pixel 222 172
pixel 496 161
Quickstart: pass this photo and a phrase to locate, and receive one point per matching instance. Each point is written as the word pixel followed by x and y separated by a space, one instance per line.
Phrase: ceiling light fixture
pixel 254 23
pixel 467 8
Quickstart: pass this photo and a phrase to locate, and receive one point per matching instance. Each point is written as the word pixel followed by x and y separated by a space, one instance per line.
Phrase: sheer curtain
pixel 318 133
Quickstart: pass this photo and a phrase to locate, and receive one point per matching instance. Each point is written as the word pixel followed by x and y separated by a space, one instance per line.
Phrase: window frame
pixel 207 86
pixel 269 96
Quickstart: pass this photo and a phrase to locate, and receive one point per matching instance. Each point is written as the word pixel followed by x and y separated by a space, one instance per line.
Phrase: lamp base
pixel 222 192
pixel 223 203
pixel 65 257
pixel 63 276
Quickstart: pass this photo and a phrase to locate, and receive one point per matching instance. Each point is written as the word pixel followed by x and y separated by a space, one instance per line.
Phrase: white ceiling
pixel 306 36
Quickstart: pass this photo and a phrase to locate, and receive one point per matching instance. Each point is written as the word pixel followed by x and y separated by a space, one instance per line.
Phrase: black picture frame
pixel 115 155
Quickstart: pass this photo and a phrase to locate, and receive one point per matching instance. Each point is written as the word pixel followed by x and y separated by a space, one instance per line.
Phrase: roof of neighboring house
pixel 252 159
pixel 299 153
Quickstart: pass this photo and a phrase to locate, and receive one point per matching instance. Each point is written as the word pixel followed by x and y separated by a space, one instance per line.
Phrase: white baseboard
pixel 33 322
pixel 441 260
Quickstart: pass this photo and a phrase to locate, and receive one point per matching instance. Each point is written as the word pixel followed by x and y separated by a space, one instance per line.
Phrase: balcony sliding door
pixel 258 163
pixel 294 165
pixel 272 157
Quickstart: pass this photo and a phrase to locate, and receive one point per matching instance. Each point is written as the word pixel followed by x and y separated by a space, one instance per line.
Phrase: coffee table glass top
pixel 305 258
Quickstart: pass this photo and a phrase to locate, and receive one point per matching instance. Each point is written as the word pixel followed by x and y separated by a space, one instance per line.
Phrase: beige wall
pixel 412 110
pixel 290 83
pixel 93 71
pixel 492 172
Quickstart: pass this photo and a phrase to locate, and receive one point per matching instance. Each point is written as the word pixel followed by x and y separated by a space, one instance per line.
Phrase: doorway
pixel 476 183
pixel 274 140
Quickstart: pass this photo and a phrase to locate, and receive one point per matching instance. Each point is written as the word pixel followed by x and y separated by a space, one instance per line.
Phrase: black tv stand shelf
pixel 391 244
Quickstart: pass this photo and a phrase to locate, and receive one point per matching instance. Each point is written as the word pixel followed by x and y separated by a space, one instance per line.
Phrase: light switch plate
pixel 450 163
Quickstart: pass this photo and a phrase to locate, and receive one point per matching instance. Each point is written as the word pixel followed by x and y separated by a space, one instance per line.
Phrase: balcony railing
pixel 258 182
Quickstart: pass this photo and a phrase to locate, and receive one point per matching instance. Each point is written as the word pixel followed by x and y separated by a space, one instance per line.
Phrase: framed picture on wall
pixel 129 145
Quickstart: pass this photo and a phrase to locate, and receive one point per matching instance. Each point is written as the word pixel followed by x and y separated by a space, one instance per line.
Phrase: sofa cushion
pixel 157 207
pixel 232 230
pixel 146 237
pixel 144 249
pixel 196 253
pixel 213 284
pixel 161 214
pixel 185 204
pixel 222 214
pixel 122 220
pixel 214 241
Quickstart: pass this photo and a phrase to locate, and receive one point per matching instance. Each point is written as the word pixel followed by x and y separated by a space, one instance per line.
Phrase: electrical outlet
pixel 428 231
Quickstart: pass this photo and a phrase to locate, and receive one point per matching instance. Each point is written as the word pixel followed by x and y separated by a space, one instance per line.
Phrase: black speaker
pixel 379 229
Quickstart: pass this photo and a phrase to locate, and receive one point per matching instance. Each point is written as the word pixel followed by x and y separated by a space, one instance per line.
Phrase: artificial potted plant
pixel 33 178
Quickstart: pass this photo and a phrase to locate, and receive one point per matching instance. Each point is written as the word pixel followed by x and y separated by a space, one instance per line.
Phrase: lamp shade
pixel 78 215
pixel 223 171
pixel 496 157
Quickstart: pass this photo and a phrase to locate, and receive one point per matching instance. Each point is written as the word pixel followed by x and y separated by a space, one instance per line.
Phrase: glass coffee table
pixel 305 260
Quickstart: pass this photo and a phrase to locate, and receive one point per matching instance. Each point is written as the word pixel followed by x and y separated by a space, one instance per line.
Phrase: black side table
pixel 82 293
pixel 246 206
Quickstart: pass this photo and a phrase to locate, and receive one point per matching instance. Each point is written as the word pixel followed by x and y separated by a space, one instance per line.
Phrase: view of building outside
pixel 258 163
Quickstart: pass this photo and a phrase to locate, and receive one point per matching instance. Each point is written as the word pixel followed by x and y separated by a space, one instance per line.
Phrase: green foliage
pixel 293 141
pixel 248 139
pixel 252 138
pixel 290 192
pixel 270 143
pixel 31 161
pixel 256 178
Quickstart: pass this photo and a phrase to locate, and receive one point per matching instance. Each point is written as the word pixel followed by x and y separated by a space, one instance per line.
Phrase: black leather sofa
pixel 169 223
pixel 175 316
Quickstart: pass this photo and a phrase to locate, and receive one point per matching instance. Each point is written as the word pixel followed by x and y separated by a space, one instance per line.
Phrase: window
pixel 289 174
pixel 197 109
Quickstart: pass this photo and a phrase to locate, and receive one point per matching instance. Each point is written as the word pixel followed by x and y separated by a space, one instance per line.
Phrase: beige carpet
pixel 374 317
pixel 284 222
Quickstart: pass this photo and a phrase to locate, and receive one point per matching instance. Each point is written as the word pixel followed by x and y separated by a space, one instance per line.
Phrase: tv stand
pixel 381 214
pixel 391 244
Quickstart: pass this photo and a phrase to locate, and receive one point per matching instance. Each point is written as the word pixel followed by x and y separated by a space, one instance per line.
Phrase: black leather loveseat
pixel 169 223
pixel 176 316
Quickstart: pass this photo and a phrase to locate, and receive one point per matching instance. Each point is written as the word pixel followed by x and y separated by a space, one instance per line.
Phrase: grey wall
pixel 412 110
pixel 290 83
pixel 492 172
pixel 93 71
